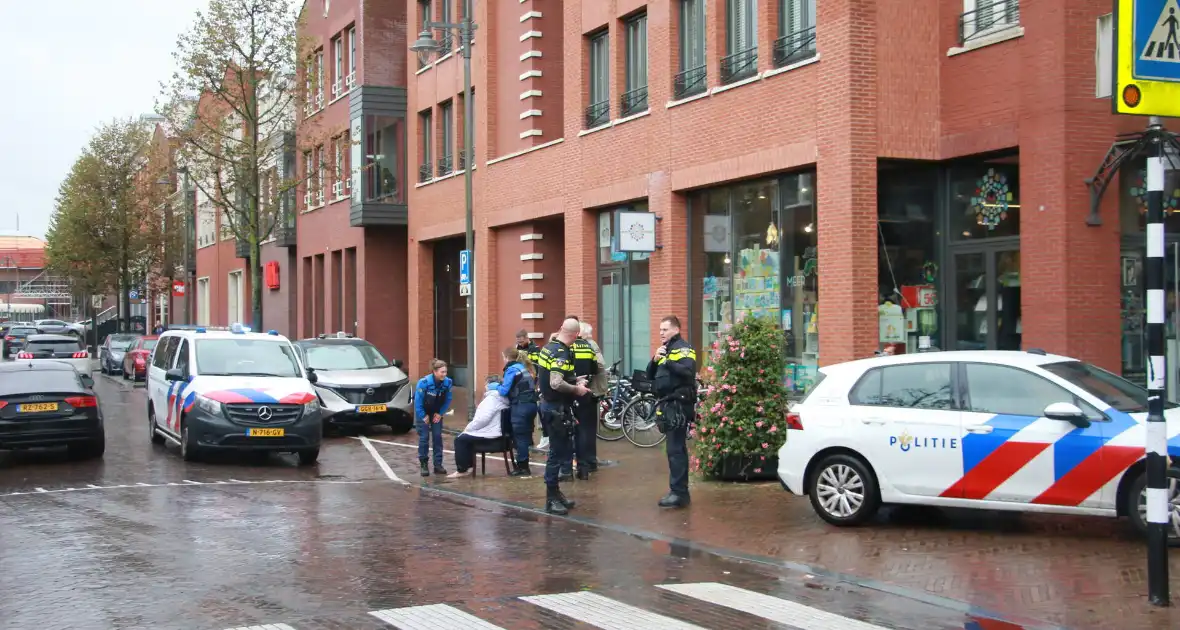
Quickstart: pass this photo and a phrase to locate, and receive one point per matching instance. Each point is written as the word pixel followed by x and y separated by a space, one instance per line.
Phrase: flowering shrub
pixel 745 401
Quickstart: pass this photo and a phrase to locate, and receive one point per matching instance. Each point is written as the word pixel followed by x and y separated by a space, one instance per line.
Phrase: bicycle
pixel 610 407
pixel 639 417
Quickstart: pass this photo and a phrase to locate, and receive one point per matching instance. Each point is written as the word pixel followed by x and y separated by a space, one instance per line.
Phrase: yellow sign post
pixel 1146 58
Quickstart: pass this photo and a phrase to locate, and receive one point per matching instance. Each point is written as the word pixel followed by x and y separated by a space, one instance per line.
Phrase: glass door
pixel 611 333
pixel 985 311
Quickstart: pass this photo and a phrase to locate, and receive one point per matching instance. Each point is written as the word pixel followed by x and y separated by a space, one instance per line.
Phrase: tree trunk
pixel 255 264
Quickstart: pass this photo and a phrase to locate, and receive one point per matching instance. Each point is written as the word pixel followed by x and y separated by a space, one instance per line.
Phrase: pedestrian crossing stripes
pixel 609 614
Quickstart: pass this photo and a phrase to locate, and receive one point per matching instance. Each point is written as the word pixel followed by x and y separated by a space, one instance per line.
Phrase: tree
pixel 105 224
pixel 230 103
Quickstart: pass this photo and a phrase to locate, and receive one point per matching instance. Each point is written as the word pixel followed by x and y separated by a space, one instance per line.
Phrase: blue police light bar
pixel 200 330
pixel 273 332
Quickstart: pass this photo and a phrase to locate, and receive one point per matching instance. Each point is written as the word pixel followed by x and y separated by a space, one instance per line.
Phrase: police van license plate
pixel 371 408
pixel 265 432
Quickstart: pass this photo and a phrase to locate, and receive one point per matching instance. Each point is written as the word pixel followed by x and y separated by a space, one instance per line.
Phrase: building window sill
pixel 444 58
pixel 754 79
pixel 586 132
pixel 424 68
pixel 450 175
pixel 982 41
pixel 687 99
pixel 789 67
pixel 614 123
pixel 343 94
pixel 736 84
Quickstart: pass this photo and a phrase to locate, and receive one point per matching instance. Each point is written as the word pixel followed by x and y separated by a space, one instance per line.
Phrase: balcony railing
pixel 633 101
pixel 461 160
pixel 425 173
pixel 794 47
pixel 445 42
pixel 740 65
pixel 995 15
pixel 689 82
pixel 598 114
pixel 444 165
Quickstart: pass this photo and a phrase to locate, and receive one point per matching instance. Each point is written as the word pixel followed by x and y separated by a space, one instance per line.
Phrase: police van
pixel 231 389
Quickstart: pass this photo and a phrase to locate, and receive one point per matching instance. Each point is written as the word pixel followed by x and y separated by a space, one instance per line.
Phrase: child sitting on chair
pixel 484 427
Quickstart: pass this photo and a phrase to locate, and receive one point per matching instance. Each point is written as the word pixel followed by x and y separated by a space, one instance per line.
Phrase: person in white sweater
pixel 484 427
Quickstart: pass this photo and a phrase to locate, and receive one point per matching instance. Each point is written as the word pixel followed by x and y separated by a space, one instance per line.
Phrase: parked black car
pixel 15 338
pixel 46 404
pixel 110 353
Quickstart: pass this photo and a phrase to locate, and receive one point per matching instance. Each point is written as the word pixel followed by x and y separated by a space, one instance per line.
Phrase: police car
pixel 1022 431
pixel 231 389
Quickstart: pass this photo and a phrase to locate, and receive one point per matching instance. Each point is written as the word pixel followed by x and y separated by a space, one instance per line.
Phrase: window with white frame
pixel 234 297
pixel 985 17
pixel 796 32
pixel 426 144
pixel 319 73
pixel 321 178
pixel 339 172
pixel 203 301
pixel 425 14
pixel 446 120
pixel 690 77
pixel 741 41
pixel 227 231
pixel 1104 56
pixel 350 81
pixel 308 181
pixel 337 67
pixel 206 221
pixel 598 110
pixel 634 98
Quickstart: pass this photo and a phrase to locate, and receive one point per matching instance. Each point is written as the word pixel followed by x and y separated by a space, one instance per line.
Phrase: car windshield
pixel 1116 391
pixel 149 344
pixel 352 356
pixel 246 357
pixel 53 345
pixel 121 343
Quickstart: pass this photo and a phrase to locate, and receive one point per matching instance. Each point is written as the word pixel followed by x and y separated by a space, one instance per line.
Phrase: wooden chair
pixel 502 445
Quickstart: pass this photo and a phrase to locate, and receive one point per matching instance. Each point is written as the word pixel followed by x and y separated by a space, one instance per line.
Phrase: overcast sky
pixel 72 65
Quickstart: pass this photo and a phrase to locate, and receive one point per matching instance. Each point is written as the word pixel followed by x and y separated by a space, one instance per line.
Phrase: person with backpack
pixel 519 386
pixel 432 399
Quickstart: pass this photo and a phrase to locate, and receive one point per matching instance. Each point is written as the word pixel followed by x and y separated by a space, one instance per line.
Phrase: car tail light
pixel 24 355
pixel 82 402
pixel 80 355
pixel 10 338
pixel 794 421
pixel 3 404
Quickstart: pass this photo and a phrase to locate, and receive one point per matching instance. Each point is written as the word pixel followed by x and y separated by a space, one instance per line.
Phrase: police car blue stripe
pixel 255 395
pixel 977 446
pixel 1174 446
pixel 1074 447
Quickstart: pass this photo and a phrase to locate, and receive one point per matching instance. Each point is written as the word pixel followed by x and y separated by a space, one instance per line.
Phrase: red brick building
pixel 927 155
pixel 350 272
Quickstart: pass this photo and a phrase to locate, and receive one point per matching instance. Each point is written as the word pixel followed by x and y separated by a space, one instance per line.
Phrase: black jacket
pixel 675 372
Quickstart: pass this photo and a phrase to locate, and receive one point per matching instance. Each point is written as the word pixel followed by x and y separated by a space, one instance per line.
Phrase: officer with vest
pixel 673 372
pixel 432 398
pixel 518 385
pixel 587 365
pixel 560 387
pixel 526 345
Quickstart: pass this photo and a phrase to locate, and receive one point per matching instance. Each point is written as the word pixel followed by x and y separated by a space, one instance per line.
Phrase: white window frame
pixel 321 170
pixel 233 303
pixel 741 26
pixel 203 306
pixel 635 52
pixel 338 65
pixel 599 68
pixel 351 80
pixel 692 34
pixel 1104 56
pixel 970 6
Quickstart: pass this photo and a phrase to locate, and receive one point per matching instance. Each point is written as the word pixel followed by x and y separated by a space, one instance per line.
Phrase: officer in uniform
pixel 559 388
pixel 526 345
pixel 587 364
pixel 673 372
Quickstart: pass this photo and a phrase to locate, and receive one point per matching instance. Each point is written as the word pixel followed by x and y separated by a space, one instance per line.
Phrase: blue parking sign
pixel 1156 52
pixel 465 267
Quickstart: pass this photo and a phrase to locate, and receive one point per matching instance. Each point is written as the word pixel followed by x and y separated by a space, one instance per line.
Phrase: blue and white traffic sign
pixel 465 267
pixel 133 294
pixel 1156 55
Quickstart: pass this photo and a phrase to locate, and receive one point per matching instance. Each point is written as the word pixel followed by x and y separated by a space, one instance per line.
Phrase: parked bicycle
pixel 639 416
pixel 610 407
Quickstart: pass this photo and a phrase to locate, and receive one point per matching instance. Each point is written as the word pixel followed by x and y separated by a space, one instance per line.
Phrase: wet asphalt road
pixel 142 539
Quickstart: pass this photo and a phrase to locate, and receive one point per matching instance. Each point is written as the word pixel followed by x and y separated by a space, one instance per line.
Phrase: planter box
pixel 739 467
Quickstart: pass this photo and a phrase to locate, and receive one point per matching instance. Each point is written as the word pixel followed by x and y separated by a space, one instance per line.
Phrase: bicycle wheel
pixel 610 423
pixel 639 422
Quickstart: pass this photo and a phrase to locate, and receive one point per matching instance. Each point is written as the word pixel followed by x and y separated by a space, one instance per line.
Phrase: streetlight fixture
pixel 426 46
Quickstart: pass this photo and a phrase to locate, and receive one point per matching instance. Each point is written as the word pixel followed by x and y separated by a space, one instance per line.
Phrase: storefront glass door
pixel 985 312
pixel 624 300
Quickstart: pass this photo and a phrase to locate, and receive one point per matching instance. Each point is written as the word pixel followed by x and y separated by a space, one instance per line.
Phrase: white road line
pixel 92 487
pixel 606 613
pixel 531 463
pixel 269 626
pixel 382 463
pixel 767 607
pixel 432 617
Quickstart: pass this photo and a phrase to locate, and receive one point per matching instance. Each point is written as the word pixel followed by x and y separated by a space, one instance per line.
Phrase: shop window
pixel 907 268
pixel 383 159
pixel 754 255
pixel 984 201
pixel 1133 196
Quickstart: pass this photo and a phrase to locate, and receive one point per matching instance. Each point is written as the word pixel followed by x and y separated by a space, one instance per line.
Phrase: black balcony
pixel 425 173
pixel 794 47
pixel 445 43
pixel 633 101
pixel 740 65
pixel 993 16
pixel 688 82
pixel 598 114
pixel 241 248
pixel 444 165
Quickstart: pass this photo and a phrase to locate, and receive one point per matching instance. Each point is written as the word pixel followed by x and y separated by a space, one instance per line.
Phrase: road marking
pixel 432 616
pixel 606 613
pixel 92 487
pixel 269 626
pixel 382 463
pixel 767 607
pixel 531 463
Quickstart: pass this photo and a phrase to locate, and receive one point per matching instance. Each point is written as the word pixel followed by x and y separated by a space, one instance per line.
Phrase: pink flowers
pixel 757 470
pixel 774 428
pixel 765 445
pixel 760 410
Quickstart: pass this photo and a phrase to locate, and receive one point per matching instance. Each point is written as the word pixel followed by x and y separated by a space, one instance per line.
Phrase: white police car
pixel 1023 431
pixel 229 388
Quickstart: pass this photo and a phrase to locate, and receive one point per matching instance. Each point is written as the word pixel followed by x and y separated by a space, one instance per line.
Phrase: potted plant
pixel 740 424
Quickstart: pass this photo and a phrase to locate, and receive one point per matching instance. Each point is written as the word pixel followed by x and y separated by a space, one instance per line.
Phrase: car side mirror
pixel 175 374
pixel 397 363
pixel 87 380
pixel 1067 412
pixel 312 377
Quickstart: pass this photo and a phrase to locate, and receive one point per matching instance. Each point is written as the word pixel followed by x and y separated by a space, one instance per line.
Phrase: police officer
pixel 588 364
pixel 559 388
pixel 526 345
pixel 673 372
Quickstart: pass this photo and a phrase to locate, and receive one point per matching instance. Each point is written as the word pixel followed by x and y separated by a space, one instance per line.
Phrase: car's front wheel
pixel 1136 507
pixel 189 451
pixel 153 428
pixel 843 490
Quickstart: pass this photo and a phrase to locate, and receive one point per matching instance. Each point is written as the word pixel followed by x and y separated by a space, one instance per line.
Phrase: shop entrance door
pixel 985 309
pixel 450 312
pixel 624 316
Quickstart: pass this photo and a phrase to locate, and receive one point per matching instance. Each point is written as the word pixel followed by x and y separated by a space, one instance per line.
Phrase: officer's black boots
pixel 425 468
pixel 556 503
pixel 521 470
pixel 583 474
pixel 569 504
pixel 673 500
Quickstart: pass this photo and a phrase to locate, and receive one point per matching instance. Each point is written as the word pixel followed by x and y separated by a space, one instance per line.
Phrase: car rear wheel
pixel 1136 506
pixel 189 451
pixel 91 449
pixel 309 456
pixel 843 491
pixel 153 428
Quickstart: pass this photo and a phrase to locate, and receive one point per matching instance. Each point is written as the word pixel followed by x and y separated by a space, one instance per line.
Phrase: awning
pixel 21 308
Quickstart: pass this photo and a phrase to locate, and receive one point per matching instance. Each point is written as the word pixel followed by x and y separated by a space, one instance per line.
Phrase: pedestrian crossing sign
pixel 1147 57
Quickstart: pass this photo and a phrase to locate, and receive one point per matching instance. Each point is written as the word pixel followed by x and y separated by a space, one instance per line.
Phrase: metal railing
pixel 461 160
pixel 445 43
pixel 990 17
pixel 794 47
pixel 425 173
pixel 740 65
pixel 598 114
pixel 689 82
pixel 633 101
pixel 444 165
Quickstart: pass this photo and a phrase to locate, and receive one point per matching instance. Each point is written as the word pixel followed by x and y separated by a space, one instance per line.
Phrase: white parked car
pixel 357 385
pixel 61 348
pixel 1023 431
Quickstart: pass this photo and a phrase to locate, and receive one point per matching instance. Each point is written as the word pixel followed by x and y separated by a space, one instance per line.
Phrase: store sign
pixel 637 231
pixel 178 288
pixel 1147 58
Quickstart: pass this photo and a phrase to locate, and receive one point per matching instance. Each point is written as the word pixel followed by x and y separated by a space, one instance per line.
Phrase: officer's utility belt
pixel 673 413
pixel 561 419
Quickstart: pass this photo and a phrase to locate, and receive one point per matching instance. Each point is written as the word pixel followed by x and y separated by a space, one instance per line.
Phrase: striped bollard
pixel 1158 509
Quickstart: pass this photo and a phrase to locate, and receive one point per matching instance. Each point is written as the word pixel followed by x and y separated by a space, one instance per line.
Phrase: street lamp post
pixel 425 47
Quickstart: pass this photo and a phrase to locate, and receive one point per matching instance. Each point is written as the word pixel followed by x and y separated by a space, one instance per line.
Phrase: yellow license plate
pixel 265 432
pixel 35 407
pixel 372 408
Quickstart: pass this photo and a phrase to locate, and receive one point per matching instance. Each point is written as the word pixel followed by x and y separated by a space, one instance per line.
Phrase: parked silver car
pixel 54 327
pixel 356 384
pixel 113 350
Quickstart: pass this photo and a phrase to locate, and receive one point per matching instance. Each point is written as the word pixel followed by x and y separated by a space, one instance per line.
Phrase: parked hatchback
pixel 47 404
pixel 62 348
pixel 139 353
pixel 112 351
pixel 15 338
